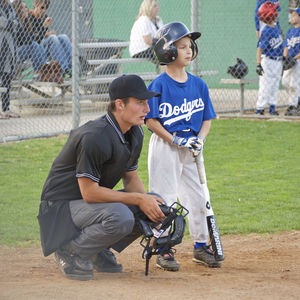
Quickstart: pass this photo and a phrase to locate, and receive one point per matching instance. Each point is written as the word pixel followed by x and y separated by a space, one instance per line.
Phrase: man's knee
pixel 120 221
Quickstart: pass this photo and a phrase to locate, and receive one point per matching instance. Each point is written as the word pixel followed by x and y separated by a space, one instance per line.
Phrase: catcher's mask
pixel 165 38
pixel 167 234
pixel 239 70
pixel 268 12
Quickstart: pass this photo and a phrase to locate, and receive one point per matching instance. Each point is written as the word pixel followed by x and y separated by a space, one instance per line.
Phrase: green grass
pixel 253 172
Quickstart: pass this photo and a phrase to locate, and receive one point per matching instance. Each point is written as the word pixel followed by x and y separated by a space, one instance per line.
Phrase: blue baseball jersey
pixel 259 3
pixel 271 41
pixel 181 106
pixel 292 41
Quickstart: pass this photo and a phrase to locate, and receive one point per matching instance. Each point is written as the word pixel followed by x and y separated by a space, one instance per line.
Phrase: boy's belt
pixel 275 57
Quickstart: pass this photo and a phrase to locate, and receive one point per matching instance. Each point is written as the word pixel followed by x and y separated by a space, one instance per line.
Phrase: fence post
pixel 75 67
pixel 195 19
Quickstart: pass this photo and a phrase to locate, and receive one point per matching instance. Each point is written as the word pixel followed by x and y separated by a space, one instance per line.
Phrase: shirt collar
pixel 113 122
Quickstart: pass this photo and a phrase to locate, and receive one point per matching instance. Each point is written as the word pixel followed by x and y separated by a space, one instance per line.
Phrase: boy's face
pixel 295 18
pixel 185 52
pixel 40 9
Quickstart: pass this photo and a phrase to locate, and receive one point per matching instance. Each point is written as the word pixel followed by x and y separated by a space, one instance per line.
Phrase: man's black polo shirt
pixel 97 150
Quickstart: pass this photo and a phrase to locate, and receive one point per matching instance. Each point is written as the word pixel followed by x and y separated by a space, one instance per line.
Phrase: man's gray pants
pixel 103 225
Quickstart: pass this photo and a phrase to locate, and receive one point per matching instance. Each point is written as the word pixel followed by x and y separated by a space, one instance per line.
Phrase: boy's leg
pixel 265 87
pixel 295 84
pixel 274 76
pixel 192 196
pixel 164 169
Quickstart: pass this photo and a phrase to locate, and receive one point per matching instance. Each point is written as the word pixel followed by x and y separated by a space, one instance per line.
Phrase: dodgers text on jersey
pixel 185 111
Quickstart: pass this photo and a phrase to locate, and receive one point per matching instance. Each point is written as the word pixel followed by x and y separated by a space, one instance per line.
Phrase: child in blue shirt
pixel 180 120
pixel 269 59
pixel 291 77
pixel 259 25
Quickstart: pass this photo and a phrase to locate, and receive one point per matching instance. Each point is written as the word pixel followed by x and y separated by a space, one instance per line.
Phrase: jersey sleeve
pixel 209 111
pixel 264 39
pixel 286 38
pixel 89 160
pixel 154 102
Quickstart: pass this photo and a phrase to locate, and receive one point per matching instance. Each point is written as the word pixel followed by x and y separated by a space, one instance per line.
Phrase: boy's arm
pixel 258 55
pixel 285 51
pixel 155 126
pixel 205 128
pixel 297 56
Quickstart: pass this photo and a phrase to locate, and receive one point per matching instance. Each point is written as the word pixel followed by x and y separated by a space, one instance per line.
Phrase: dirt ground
pixel 256 267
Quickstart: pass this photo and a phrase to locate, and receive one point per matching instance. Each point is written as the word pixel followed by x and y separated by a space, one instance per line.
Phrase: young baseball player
pixel 180 120
pixel 259 25
pixel 291 77
pixel 269 59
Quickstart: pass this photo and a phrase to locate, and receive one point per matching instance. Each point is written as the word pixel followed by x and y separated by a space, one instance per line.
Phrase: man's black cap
pixel 130 86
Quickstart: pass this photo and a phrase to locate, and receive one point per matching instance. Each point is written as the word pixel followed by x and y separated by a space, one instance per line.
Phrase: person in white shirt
pixel 143 30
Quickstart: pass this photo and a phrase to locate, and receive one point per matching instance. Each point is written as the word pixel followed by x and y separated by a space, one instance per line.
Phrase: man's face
pixel 40 9
pixel 185 52
pixel 133 113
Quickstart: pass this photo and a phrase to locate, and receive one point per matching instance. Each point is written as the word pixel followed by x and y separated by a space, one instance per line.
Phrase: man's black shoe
pixel 73 266
pixel 105 261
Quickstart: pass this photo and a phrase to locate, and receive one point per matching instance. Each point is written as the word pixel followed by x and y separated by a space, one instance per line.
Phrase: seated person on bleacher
pixel 143 30
pixel 57 47
pixel 8 25
pixel 27 47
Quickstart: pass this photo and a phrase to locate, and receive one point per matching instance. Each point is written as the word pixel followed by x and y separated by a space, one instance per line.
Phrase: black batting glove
pixel 259 70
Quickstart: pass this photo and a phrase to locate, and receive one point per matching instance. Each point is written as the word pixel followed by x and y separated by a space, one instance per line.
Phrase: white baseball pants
pixel 269 82
pixel 173 174
pixel 291 81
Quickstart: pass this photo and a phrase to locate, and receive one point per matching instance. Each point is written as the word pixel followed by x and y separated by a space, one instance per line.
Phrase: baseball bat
pixel 213 230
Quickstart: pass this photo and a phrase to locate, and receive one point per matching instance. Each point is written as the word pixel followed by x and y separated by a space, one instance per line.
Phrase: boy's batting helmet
pixel 165 38
pixel 267 12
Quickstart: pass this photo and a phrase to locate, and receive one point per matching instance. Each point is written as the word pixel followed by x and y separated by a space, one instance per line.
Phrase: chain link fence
pixel 58 57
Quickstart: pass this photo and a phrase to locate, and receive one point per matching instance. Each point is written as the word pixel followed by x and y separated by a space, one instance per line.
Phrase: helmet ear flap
pixel 194 49
pixel 165 53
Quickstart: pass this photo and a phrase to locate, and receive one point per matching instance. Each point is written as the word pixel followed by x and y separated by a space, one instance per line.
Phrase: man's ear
pixel 119 103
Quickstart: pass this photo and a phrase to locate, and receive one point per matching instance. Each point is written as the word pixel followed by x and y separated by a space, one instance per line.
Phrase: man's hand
pixel 149 204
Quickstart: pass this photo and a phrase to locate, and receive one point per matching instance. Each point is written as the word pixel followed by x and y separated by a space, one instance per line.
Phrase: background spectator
pixel 143 30
pixel 57 48
pixel 27 47
pixel 8 25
